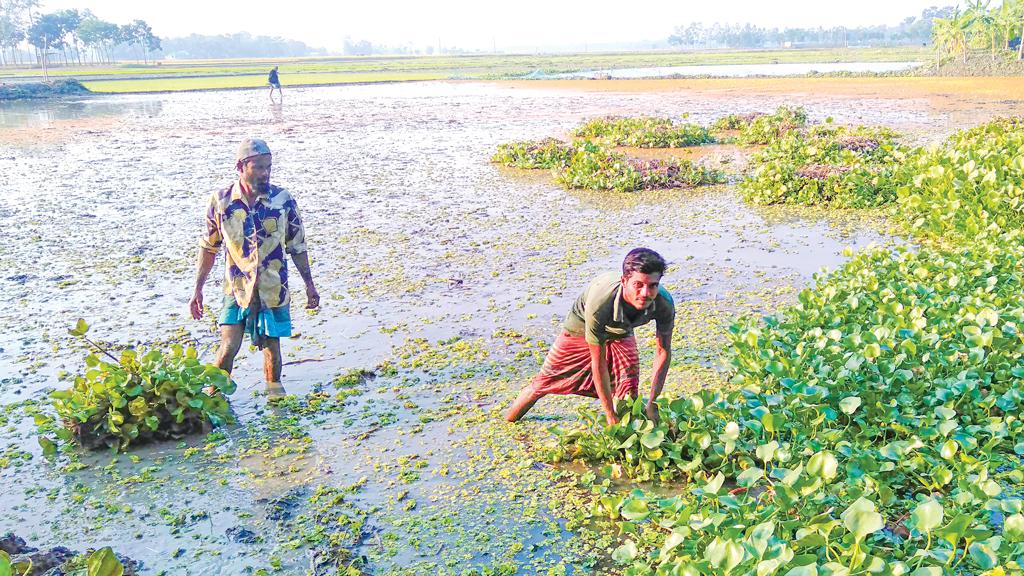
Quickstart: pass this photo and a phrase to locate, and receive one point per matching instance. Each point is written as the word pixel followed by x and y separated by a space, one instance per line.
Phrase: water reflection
pixel 42 113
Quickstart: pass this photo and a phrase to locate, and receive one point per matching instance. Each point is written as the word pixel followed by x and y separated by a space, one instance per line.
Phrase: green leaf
pixel 635 509
pixel 138 407
pixel 805 570
pixel 927 571
pixel 949 448
pixel 926 516
pixel 749 477
pixel 955 530
pixel 80 328
pixel 823 465
pixel 1013 528
pixel 49 448
pixel 103 562
pixel 715 484
pixel 5 564
pixel 653 439
pixel 983 556
pixel 677 537
pixel 765 452
pixel 861 518
pixel 723 554
pixel 849 404
pixel 626 553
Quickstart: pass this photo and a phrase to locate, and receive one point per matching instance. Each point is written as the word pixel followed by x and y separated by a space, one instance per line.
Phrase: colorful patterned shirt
pixel 257 238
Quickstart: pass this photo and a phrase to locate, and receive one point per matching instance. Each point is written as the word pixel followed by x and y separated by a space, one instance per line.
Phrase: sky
pixel 483 25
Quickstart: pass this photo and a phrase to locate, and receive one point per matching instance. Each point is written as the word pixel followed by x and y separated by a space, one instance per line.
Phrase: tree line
pixel 72 36
pixel 912 30
pixel 979 28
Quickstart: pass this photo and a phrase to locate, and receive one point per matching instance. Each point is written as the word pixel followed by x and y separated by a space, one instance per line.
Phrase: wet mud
pixel 442 274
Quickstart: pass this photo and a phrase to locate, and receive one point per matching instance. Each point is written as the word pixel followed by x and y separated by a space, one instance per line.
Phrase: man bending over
pixel 596 355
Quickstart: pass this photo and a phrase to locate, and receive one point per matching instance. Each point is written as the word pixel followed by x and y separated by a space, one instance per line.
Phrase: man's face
pixel 255 172
pixel 639 290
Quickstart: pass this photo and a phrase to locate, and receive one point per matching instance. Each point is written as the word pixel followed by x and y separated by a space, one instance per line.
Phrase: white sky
pixel 475 24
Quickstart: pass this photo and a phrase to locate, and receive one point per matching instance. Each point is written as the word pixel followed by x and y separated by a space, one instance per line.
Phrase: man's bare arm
pixel 301 261
pixel 602 381
pixel 204 263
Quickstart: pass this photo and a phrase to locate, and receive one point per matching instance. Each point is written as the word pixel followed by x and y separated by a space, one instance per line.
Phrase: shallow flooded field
pixel 442 276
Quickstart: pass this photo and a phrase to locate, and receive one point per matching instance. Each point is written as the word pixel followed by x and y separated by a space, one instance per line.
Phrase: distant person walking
pixel 274 82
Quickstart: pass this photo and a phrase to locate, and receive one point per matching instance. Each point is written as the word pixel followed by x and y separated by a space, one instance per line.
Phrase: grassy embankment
pixel 224 74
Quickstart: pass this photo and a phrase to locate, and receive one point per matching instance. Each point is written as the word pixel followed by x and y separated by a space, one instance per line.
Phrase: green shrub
pixel 874 428
pixel 969 188
pixel 529 154
pixel 137 397
pixel 643 132
pixel 843 167
pixel 596 168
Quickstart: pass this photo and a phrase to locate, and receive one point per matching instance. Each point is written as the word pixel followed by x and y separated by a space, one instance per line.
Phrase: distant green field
pixel 172 75
pixel 251 81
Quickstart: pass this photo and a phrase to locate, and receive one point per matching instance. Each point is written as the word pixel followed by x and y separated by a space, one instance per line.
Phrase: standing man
pixel 274 82
pixel 257 223
pixel 596 355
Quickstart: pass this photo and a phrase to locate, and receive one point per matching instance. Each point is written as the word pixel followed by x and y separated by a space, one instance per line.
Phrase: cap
pixel 251 147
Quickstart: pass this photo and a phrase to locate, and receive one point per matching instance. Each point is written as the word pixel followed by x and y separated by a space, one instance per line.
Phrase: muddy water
pixel 428 258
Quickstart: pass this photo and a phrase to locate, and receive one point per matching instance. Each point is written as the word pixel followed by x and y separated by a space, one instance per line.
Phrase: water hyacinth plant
pixel 531 155
pixel 970 187
pixel 643 132
pixel 827 165
pixel 596 168
pixel 589 165
pixel 874 427
pixel 767 128
pixel 135 397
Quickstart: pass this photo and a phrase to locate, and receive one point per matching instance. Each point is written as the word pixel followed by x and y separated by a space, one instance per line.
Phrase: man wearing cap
pixel 257 223
pixel 596 354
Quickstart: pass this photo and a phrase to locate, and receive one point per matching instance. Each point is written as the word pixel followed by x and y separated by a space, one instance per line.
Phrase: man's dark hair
pixel 644 261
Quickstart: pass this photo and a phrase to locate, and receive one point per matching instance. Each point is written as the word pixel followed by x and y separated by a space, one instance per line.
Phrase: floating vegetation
pixel 528 154
pixel 643 132
pixel 736 121
pixel 968 188
pixel 137 397
pixel 595 168
pixel 874 425
pixel 767 128
pixel 832 165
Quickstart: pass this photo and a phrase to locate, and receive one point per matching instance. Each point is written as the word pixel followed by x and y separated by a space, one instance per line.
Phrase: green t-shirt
pixel 600 314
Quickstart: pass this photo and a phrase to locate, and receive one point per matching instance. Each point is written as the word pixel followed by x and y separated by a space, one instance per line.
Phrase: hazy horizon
pixel 469 26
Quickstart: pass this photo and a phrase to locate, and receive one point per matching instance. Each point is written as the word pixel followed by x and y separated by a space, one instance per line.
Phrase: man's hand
pixel 652 411
pixel 612 419
pixel 312 297
pixel 195 305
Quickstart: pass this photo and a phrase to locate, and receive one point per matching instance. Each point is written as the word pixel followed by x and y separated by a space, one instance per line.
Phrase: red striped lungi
pixel 567 369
